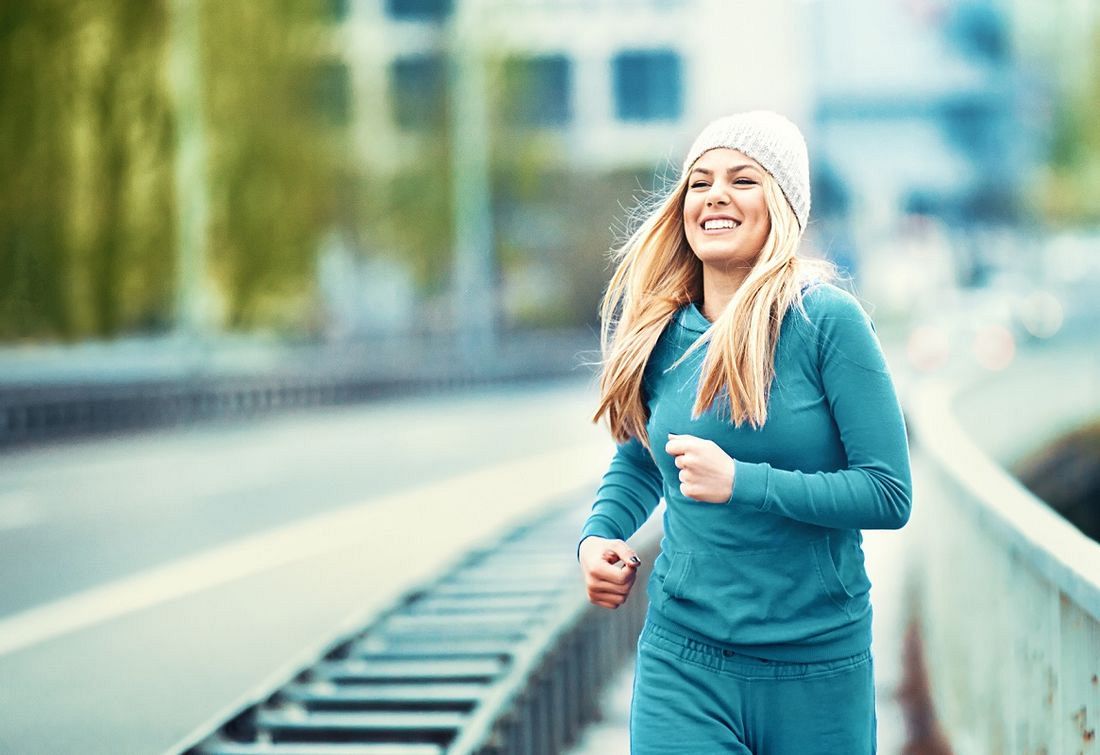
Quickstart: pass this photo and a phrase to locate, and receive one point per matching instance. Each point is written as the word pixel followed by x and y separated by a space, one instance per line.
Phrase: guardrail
pixel 1007 598
pixel 504 655
pixel 58 396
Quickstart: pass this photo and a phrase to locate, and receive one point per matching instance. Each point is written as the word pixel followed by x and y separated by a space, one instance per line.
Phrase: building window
pixel 333 92
pixel 537 90
pixel 418 91
pixel 422 10
pixel 648 85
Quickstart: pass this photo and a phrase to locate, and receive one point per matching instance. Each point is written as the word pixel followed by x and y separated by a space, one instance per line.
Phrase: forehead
pixel 723 158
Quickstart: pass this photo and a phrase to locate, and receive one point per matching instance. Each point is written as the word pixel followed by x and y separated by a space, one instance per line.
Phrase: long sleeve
pixel 875 490
pixel 630 490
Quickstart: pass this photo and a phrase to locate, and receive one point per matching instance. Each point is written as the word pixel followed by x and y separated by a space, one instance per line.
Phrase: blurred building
pixel 916 117
pixel 526 105
pixel 618 81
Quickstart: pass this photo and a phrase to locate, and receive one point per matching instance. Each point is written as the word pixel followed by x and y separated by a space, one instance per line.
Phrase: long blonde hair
pixel 657 273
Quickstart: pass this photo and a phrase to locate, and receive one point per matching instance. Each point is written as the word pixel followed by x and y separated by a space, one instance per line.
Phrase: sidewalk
pixel 885 553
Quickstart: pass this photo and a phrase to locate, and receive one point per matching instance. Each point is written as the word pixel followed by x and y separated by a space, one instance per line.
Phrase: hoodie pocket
pixel 678 568
pixel 757 597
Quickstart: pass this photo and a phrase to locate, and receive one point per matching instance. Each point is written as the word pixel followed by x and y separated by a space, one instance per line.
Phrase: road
pixel 152 579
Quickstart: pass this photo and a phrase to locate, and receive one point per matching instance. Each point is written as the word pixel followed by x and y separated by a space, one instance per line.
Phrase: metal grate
pixel 502 655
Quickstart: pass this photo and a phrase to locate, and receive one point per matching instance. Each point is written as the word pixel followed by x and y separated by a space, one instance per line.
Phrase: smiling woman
pixel 669 261
pixel 757 637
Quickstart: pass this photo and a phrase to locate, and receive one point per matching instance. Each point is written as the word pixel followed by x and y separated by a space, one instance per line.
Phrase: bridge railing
pixel 503 655
pixel 1007 596
pixel 54 392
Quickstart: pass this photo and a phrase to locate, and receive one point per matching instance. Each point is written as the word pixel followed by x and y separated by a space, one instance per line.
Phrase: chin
pixel 717 257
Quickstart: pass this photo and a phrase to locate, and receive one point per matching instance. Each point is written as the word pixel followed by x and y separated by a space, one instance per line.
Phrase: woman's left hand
pixel 706 471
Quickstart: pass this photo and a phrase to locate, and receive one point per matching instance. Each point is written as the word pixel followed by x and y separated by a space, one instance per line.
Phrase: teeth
pixel 714 225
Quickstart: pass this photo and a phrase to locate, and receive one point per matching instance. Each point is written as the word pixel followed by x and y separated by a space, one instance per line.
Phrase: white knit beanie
pixel 771 140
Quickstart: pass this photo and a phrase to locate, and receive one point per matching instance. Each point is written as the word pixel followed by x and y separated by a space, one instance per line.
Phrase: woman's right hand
pixel 609 567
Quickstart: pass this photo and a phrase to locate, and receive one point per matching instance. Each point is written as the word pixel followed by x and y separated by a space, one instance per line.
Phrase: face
pixel 726 218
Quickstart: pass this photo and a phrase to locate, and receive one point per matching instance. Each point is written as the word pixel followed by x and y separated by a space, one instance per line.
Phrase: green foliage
pixel 86 207
pixel 404 211
pixel 276 112
pixel 407 215
pixel 88 213
pixel 90 220
pixel 1070 195
pixel 556 222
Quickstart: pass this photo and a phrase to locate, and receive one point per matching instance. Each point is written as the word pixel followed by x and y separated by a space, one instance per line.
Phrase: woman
pixel 750 393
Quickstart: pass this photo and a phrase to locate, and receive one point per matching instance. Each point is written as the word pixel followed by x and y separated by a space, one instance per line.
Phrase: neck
pixel 719 286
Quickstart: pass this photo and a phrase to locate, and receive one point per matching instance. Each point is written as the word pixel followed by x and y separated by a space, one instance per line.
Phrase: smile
pixel 720 224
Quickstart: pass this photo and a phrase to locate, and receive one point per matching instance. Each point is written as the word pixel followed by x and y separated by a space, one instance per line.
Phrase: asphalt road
pixel 150 580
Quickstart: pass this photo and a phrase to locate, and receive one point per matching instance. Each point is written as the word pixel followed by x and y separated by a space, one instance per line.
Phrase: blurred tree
pixel 405 214
pixel 555 222
pixel 86 210
pixel 89 217
pixel 1070 195
pixel 277 108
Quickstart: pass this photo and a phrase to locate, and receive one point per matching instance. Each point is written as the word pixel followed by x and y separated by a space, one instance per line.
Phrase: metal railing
pixel 135 386
pixel 504 655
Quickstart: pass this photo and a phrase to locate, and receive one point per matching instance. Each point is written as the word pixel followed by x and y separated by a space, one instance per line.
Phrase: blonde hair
pixel 657 273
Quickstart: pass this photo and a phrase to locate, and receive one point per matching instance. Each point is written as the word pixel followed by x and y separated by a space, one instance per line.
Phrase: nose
pixel 717 195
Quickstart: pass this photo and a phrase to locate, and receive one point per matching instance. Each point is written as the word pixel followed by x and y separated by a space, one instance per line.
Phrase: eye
pixel 699 184
pixel 745 182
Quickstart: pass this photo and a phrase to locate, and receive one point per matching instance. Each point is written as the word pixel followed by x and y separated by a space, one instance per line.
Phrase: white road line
pixel 535 480
pixel 17 511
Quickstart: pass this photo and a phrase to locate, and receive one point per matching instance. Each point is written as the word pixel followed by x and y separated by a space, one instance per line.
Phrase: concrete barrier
pixel 1007 593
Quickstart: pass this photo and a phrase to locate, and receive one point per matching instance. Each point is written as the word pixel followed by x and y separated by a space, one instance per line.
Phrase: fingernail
pixel 635 560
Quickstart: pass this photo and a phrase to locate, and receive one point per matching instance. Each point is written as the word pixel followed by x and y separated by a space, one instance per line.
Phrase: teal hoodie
pixel 776 571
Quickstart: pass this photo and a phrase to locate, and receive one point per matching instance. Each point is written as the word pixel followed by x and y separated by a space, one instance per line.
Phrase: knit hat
pixel 771 140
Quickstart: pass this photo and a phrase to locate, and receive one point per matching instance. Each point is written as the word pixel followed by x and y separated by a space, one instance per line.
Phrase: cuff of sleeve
pixel 750 484
pixel 590 529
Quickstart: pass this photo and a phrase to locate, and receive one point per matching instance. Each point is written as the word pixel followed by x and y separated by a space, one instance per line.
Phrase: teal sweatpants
pixel 693 698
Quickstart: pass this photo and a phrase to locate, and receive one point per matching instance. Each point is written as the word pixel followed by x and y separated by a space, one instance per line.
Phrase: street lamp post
pixel 192 314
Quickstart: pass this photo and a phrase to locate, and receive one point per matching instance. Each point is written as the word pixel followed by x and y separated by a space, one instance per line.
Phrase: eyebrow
pixel 734 169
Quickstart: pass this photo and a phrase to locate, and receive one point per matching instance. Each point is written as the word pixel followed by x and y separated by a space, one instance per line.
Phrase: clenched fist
pixel 610 567
pixel 706 471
